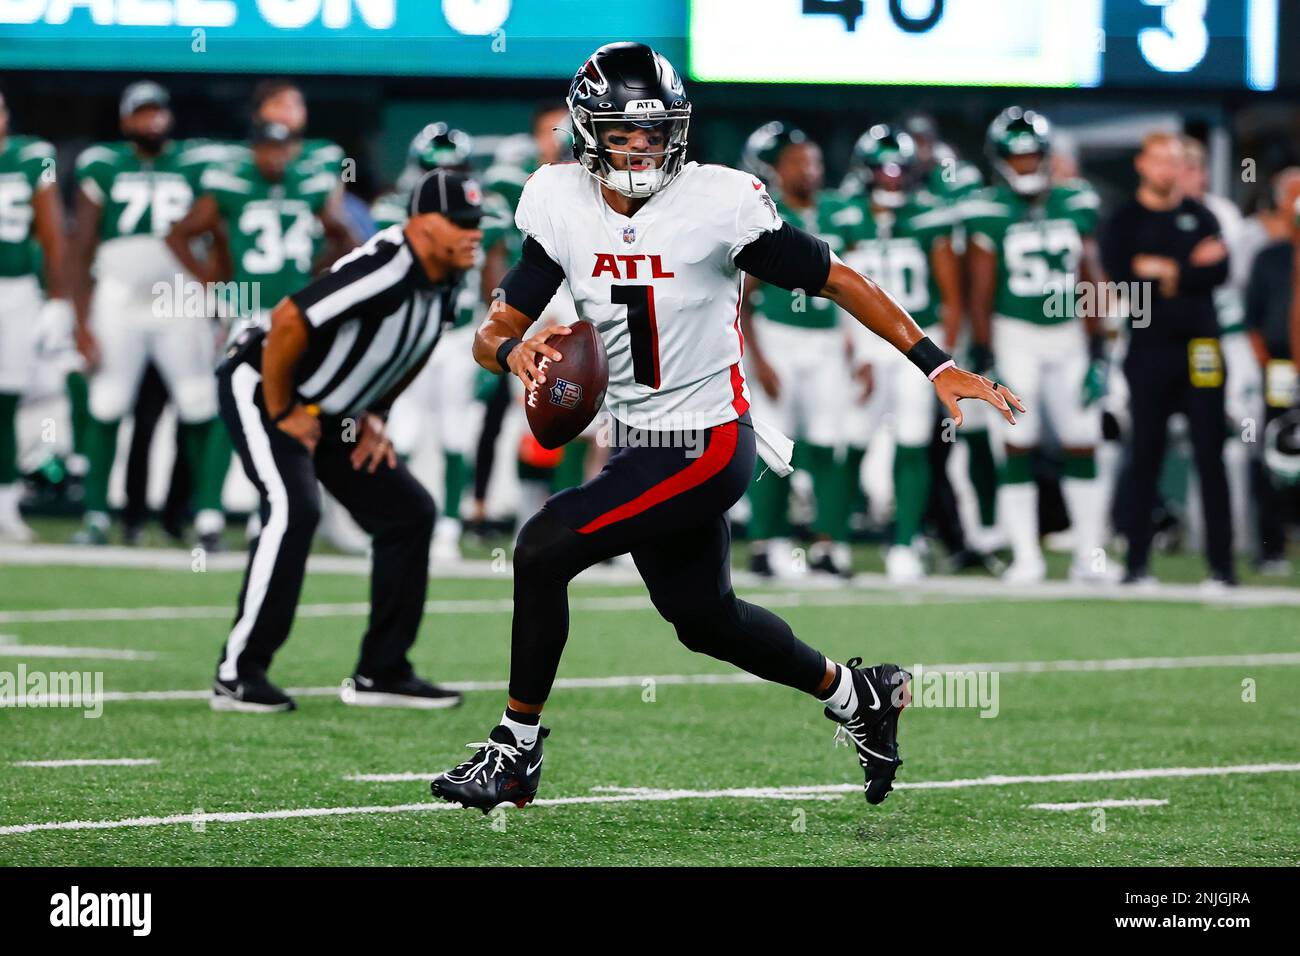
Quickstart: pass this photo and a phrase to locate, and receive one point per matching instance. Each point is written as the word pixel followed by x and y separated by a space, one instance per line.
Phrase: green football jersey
pixel 141 196
pixel 805 308
pixel 26 164
pixel 953 182
pixel 1038 246
pixel 273 226
pixel 893 248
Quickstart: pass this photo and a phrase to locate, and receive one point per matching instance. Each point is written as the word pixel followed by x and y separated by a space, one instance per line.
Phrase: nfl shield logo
pixel 629 234
pixel 566 394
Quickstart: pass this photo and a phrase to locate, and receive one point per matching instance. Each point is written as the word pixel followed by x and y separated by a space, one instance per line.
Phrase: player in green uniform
pixel 437 403
pixel 130 193
pixel 1031 244
pixel 795 352
pixel 902 239
pixel 31 242
pixel 270 211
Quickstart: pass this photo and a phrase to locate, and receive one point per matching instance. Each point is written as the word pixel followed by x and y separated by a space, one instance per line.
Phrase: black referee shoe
pixel 408 691
pixel 249 695
pixel 883 691
pixel 499 772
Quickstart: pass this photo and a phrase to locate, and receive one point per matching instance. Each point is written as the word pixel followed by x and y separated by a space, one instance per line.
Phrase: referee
pixel 1174 362
pixel 305 401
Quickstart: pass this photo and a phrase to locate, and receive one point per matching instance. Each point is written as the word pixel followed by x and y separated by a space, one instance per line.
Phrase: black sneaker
pixel 211 542
pixel 758 564
pixel 408 691
pixel 249 695
pixel 499 772
pixel 883 691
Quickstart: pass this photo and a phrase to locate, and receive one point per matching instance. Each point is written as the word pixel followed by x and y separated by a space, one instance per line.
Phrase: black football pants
pixel 667 506
pixel 391 505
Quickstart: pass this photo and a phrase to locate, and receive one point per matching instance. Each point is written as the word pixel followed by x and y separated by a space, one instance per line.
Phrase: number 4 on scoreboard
pixel 850 10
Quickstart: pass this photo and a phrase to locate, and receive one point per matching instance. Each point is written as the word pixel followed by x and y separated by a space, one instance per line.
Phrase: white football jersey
pixel 661 286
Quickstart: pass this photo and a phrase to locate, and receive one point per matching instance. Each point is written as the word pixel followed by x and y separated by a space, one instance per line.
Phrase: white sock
pixel 1086 500
pixel 843 701
pixel 525 734
pixel 9 501
pixel 1018 515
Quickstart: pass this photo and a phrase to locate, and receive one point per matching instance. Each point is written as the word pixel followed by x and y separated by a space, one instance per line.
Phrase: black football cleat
pixel 499 772
pixel 249 695
pixel 883 691
pixel 408 691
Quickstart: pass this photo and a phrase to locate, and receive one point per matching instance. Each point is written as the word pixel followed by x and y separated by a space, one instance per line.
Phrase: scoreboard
pixel 1045 43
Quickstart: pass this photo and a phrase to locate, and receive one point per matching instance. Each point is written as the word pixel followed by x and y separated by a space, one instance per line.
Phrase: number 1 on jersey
pixel 641 325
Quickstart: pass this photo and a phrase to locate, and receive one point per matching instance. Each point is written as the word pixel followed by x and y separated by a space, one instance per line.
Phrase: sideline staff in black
pixel 1174 362
pixel 306 401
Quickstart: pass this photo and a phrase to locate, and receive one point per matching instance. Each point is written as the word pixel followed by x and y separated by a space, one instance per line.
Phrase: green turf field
pixel 721 761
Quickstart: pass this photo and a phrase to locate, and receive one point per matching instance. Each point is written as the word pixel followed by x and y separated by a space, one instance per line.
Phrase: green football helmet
pixel 1020 132
pixel 884 161
pixel 439 146
pixel 764 146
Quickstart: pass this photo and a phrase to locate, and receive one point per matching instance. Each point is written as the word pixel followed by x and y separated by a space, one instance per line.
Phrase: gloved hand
pixel 54 325
pixel 1094 382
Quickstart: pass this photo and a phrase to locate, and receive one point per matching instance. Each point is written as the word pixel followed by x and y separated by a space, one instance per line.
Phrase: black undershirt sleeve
pixel 789 258
pixel 532 281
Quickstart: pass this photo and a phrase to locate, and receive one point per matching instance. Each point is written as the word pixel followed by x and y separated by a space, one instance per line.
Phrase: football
pixel 562 406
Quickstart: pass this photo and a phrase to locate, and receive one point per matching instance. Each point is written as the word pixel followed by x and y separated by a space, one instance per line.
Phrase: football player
pixel 902 238
pixel 130 194
pixel 654 250
pixel 1031 244
pixel 444 389
pixel 31 242
pixel 796 354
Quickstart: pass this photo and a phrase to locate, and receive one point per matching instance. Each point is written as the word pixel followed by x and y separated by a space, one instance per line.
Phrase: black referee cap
pixel 455 195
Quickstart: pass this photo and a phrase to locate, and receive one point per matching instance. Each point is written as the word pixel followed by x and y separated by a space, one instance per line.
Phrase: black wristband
pixel 927 356
pixel 1097 347
pixel 504 350
pixel 286 413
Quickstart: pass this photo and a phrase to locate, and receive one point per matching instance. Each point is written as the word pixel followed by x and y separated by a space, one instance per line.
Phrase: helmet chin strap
pixel 888 198
pixel 1025 184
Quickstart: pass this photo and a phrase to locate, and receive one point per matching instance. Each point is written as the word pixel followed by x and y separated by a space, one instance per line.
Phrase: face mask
pixel 635 183
pixel 887 198
pixel 1026 184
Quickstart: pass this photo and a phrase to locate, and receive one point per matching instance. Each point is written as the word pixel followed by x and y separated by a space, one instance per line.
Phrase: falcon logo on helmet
pixel 624 88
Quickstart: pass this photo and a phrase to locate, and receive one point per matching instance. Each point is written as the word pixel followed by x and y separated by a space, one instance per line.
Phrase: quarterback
pixel 654 250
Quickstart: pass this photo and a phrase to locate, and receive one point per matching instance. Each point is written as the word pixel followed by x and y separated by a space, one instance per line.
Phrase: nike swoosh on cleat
pixel 874 695
pixel 533 767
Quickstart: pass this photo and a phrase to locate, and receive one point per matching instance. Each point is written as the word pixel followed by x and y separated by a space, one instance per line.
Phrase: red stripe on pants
pixel 722 446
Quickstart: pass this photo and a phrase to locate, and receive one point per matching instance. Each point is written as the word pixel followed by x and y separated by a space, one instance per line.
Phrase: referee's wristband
pixel 286 413
pixel 504 350
pixel 929 358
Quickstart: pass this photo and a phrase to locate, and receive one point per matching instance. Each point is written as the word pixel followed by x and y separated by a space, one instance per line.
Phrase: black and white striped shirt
pixel 373 318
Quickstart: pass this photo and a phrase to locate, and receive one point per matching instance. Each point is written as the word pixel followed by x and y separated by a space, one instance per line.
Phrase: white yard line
pixel 616 603
pixel 1104 804
pixel 605 795
pixel 668 680
pixel 9 647
pixel 937 586
pixel 107 762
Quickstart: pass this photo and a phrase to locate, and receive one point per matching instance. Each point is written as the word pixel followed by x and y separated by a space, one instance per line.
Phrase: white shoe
pixel 903 565
pixel 1085 573
pixel 13 530
pixel 1025 572
pixel 446 541
pixel 987 540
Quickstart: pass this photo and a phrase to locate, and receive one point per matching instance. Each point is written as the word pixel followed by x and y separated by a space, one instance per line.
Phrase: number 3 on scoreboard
pixel 641 325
